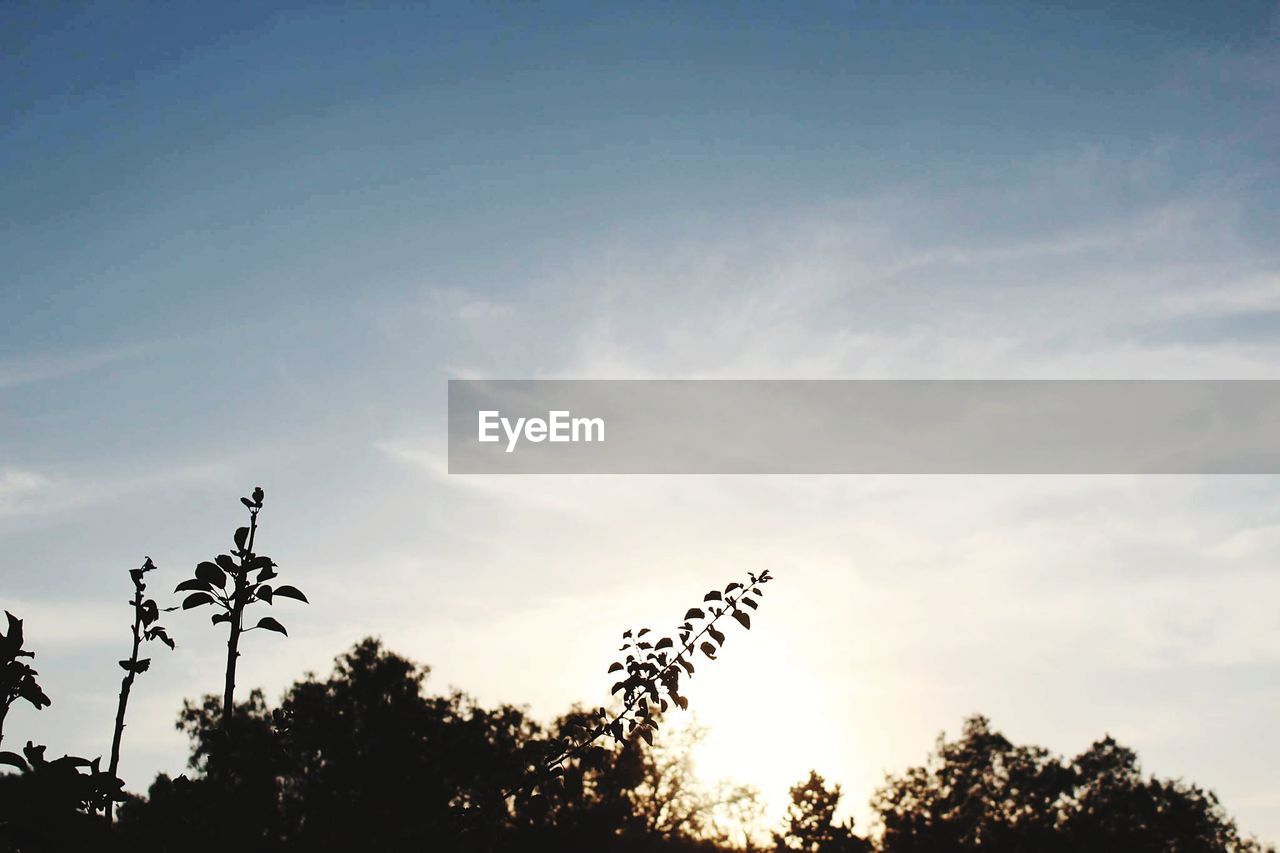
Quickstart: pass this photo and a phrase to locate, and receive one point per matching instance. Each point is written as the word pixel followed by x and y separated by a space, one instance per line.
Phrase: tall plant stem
pixel 126 684
pixel 237 614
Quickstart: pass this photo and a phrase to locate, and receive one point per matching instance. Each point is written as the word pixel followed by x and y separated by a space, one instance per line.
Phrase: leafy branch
pixel 652 674
pixel 17 679
pixel 209 586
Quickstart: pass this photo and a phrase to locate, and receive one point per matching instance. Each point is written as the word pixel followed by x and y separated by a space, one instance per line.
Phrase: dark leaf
pixel 694 613
pixel 162 635
pixel 716 635
pixel 291 592
pixel 29 690
pixel 742 618
pixel 194 584
pixel 271 625
pixel 207 571
pixel 615 667
pixel 248 503
pixel 708 650
pixel 616 687
pixel 14 760
pixel 647 734
pixel 750 603
pixel 664 643
pixel 196 599
pixel 258 495
pixel 221 617
pixel 714 595
pixel 226 562
pixel 13 640
pixel 35 754
pixel 242 536
pixel 264 592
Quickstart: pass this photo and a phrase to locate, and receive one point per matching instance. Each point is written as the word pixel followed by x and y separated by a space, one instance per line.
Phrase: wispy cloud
pixel 910 591
pixel 45 368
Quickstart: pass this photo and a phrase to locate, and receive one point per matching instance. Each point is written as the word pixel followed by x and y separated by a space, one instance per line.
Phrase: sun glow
pixel 767 732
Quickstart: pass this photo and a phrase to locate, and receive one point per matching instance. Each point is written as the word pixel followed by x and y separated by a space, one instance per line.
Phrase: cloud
pixel 23 491
pixel 46 368
pixel 1062 606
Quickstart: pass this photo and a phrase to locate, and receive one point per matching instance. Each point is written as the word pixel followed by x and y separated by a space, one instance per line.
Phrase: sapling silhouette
pixel 145 628
pixel 653 674
pixel 17 680
pixel 209 586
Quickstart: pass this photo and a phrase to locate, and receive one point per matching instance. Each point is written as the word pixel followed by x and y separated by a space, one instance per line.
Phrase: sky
pixel 249 246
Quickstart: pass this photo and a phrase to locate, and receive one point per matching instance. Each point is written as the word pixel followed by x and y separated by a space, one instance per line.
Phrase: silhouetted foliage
pixel 632 796
pixel 982 792
pixel 367 759
pixel 17 679
pixel 146 627
pixel 50 804
pixel 811 821
pixel 209 586
pixel 653 669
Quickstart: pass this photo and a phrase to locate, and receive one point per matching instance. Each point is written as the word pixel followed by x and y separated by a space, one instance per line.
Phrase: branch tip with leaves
pixel 209 585
pixel 650 675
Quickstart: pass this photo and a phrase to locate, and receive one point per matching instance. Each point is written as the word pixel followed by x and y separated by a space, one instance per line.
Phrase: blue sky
pixel 249 246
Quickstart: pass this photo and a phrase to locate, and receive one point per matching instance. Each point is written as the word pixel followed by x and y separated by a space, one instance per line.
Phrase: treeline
pixel 368 759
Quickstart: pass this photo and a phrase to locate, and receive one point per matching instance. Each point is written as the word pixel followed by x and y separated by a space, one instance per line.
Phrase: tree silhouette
pixel 811 824
pixel 17 679
pixel 367 758
pixel 146 614
pixel 209 586
pixel 670 802
pixel 981 792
